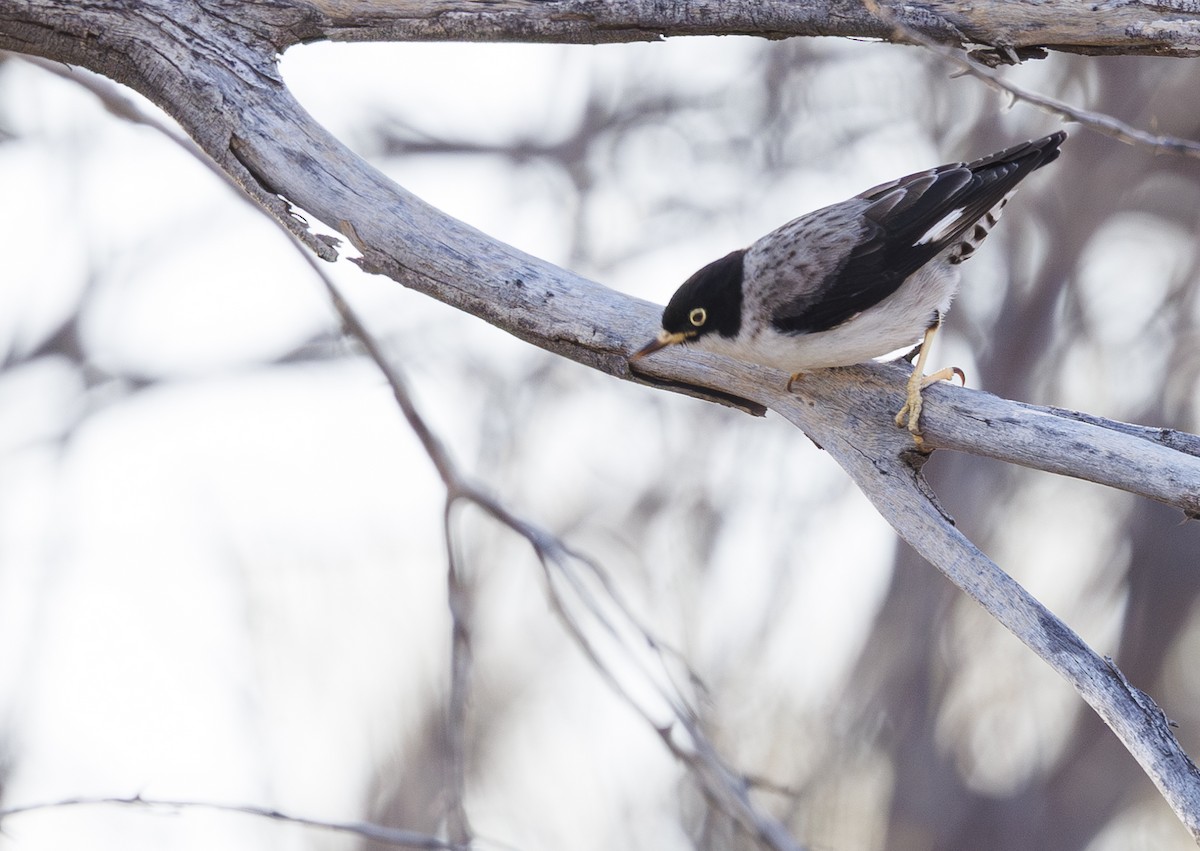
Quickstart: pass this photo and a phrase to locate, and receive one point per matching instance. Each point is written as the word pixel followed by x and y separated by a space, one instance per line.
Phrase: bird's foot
pixel 793 380
pixel 910 415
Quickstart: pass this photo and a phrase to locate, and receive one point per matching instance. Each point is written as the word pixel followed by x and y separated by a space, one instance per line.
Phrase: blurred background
pixel 222 562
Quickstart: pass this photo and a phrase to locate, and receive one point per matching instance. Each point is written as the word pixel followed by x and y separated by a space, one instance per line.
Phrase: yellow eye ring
pixel 698 316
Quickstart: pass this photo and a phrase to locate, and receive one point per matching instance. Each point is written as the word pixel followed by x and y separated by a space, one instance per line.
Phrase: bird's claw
pixel 909 416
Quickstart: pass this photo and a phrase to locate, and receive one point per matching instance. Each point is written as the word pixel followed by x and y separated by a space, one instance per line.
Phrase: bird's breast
pixel 897 322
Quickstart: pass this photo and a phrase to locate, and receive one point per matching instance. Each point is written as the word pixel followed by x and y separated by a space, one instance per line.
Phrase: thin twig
pixel 682 735
pixel 458 595
pixel 1097 121
pixel 366 830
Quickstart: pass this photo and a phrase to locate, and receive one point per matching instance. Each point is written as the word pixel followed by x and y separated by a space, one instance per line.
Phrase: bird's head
pixel 708 301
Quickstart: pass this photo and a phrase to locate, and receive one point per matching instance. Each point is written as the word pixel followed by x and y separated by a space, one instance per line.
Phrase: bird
pixel 855 280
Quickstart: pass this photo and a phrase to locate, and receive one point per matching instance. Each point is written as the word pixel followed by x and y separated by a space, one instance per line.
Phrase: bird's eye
pixel 698 316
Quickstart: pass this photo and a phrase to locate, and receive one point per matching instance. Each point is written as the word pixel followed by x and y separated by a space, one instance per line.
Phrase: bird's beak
pixel 664 339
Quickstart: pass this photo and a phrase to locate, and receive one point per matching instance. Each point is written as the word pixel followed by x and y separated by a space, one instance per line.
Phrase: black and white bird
pixel 855 280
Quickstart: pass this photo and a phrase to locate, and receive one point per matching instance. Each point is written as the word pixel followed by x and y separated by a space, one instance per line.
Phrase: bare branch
pixel 900 494
pixel 1159 464
pixel 458 595
pixel 366 830
pixel 1122 27
pixel 601 624
pixel 1105 124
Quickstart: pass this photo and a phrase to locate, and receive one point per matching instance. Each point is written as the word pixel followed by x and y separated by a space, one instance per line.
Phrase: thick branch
pixel 1008 29
pixel 896 490
pixel 1016 28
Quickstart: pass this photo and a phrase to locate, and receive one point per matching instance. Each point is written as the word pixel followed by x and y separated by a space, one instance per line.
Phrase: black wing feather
pixel 904 211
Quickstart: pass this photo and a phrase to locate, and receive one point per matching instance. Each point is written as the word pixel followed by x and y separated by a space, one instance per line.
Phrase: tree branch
pixel 898 491
pixel 366 830
pixel 1098 122
pixel 1010 28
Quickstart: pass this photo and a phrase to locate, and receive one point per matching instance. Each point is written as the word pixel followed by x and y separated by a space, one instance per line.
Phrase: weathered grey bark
pixel 212 65
pixel 1121 27
pixel 1116 26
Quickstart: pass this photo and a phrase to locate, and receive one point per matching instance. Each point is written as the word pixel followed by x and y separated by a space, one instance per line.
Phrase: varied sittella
pixel 855 280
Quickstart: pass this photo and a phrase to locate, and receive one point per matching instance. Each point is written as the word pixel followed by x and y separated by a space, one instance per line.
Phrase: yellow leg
pixel 792 380
pixel 910 414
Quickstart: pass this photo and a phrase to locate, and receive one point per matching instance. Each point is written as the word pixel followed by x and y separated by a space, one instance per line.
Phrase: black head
pixel 710 300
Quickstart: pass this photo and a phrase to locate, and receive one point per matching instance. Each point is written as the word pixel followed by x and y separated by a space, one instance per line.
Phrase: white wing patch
pixel 943 227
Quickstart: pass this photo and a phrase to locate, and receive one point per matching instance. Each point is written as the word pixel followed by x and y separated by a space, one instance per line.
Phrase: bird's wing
pixel 901 226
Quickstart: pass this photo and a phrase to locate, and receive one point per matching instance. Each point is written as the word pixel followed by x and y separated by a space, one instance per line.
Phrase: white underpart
pixel 943 227
pixel 898 322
